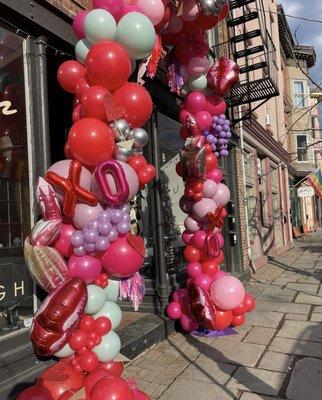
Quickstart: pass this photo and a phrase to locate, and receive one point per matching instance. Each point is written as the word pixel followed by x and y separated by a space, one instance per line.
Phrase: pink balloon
pixel 121 259
pixel 84 213
pixel 198 66
pixel 215 175
pixel 204 119
pixel 178 294
pixel 85 267
pixel 175 25
pixel 215 105
pixel 203 207
pixel 193 269
pixel 210 188
pixel 191 224
pixel 227 292
pixel 198 239
pixel 223 195
pixel 186 237
pixel 78 24
pixel 153 9
pixel 128 8
pixel 183 114
pixel 174 310
pixel 204 281
pixel 115 7
pixel 195 102
pixel 188 324
pixel 62 244
pixel 218 275
pixel 220 240
pixel 190 10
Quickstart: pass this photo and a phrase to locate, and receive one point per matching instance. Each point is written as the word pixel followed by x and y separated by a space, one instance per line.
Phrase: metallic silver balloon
pixel 121 129
pixel 212 7
pixel 138 152
pixel 140 137
pixel 122 154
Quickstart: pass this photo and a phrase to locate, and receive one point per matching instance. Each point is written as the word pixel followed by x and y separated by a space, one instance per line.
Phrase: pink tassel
pixel 175 79
pixel 155 57
pixel 134 289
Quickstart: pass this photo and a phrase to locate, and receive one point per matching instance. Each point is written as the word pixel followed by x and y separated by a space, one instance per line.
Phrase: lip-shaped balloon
pixel 47 200
pixel 45 265
pixel 223 75
pixel 57 317
pixel 202 306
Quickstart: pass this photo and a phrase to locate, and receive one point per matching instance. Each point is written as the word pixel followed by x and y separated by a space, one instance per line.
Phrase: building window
pixel 299 94
pixel 302 148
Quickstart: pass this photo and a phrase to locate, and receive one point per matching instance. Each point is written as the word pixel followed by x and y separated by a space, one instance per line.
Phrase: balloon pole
pixel 82 252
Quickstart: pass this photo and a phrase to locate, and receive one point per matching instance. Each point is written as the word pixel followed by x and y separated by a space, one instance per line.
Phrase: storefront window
pixel 15 284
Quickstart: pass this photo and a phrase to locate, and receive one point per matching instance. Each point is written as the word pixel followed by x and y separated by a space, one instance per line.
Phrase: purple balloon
pixel 116 216
pixel 77 239
pixel 125 208
pixel 123 227
pixel 104 228
pixel 102 243
pixel 215 118
pixel 226 127
pixel 91 235
pixel 126 217
pixel 79 251
pixel 113 235
pixel 104 216
pixel 218 128
pixel 93 224
pixel 78 24
pixel 222 116
pixel 210 139
pixel 90 247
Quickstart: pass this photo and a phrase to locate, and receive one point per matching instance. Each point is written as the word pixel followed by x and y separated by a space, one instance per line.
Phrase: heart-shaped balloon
pixel 223 75
pixel 112 112
pixel 202 306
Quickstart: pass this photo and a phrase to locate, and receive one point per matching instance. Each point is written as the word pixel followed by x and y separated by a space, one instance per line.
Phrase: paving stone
pixel 260 335
pixel 296 317
pixel 275 361
pixel 316 317
pixel 252 396
pixel 284 307
pixel 266 319
pixel 208 370
pixel 241 333
pixel 257 380
pixel 191 390
pixel 276 297
pixel 308 299
pixel 309 279
pixel 301 330
pixel 317 309
pixel 233 353
pixel 306 380
pixel 296 347
pixel 303 287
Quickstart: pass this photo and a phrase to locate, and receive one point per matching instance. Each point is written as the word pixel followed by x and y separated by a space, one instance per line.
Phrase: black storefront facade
pixel 33 138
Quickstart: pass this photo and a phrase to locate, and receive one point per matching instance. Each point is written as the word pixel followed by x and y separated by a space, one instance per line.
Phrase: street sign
pixel 305 191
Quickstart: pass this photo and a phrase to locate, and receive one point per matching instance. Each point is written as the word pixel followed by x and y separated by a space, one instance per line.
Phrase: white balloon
pixel 109 347
pixel 66 351
pixel 112 290
pixel 95 299
pixel 99 24
pixel 112 311
pixel 81 50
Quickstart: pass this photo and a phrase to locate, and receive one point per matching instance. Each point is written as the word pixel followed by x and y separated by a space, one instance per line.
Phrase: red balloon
pixel 223 319
pixel 69 73
pixel 108 64
pixel 184 133
pixel 179 169
pixel 76 115
pixel 211 162
pixel 136 101
pixel 208 148
pixel 88 361
pixel 202 306
pixel 240 310
pixel 87 324
pixel 93 377
pixel 207 21
pixel 215 105
pixel 151 170
pixel 137 163
pixel 220 258
pixel 191 254
pixel 250 302
pixel 103 325
pixel 78 340
pixel 63 244
pixel 35 393
pixel 80 86
pixel 56 319
pixel 115 368
pixel 209 267
pixel 111 389
pixel 92 101
pixel 91 141
pixel 238 320
pixel 144 177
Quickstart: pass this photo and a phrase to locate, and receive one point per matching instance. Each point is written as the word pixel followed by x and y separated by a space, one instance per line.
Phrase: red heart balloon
pixel 202 306
pixel 35 393
pixel 112 112
pixel 223 75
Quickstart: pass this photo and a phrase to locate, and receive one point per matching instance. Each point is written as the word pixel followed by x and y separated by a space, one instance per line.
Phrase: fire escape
pixel 254 51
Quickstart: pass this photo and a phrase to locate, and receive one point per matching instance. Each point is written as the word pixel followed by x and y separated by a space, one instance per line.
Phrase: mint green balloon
pixel 109 347
pixel 95 299
pixel 197 83
pixel 112 311
pixel 136 32
pixel 81 50
pixel 112 290
pixel 99 25
pixel 66 351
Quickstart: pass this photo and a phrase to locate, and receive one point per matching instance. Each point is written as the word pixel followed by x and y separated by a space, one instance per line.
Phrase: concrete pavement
pixel 277 353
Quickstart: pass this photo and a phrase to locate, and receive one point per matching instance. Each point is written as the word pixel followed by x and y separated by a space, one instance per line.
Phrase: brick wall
pixel 71 7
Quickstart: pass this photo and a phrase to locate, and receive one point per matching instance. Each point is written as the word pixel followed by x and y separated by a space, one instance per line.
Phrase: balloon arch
pixel 82 251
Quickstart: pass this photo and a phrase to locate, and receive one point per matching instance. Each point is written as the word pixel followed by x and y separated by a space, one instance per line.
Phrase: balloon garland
pixel 82 251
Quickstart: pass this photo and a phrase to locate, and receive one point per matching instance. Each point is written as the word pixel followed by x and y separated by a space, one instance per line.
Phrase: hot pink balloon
pixel 203 207
pixel 210 188
pixel 215 175
pixel 215 105
pixel 195 102
pixel 204 281
pixel 153 9
pixel 174 310
pixel 190 10
pixel 178 294
pixel 78 24
pixel 186 237
pixel 115 7
pixel 175 25
pixel 128 8
pixel 220 240
pixel 188 324
pixel 218 275
pixel 84 213
pixel 198 66
pixel 63 244
pixel 191 224
pixel 183 114
pixel 193 269
pixel 85 267
pixel 204 119
pixel 227 292
pixel 198 239
pixel 223 195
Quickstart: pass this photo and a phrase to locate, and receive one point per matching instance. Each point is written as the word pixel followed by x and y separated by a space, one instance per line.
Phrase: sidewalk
pixel 277 354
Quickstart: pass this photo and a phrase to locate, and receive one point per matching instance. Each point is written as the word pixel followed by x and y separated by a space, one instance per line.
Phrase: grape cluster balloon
pixel 218 135
pixel 100 232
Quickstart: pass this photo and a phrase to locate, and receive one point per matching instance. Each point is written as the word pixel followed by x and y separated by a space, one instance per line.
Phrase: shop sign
pixel 305 191
pixel 15 283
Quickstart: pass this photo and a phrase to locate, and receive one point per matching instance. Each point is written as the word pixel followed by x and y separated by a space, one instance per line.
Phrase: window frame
pixel 303 102
pixel 299 148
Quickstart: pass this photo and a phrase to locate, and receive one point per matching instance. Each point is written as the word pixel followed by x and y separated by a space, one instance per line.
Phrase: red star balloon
pixel 72 191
